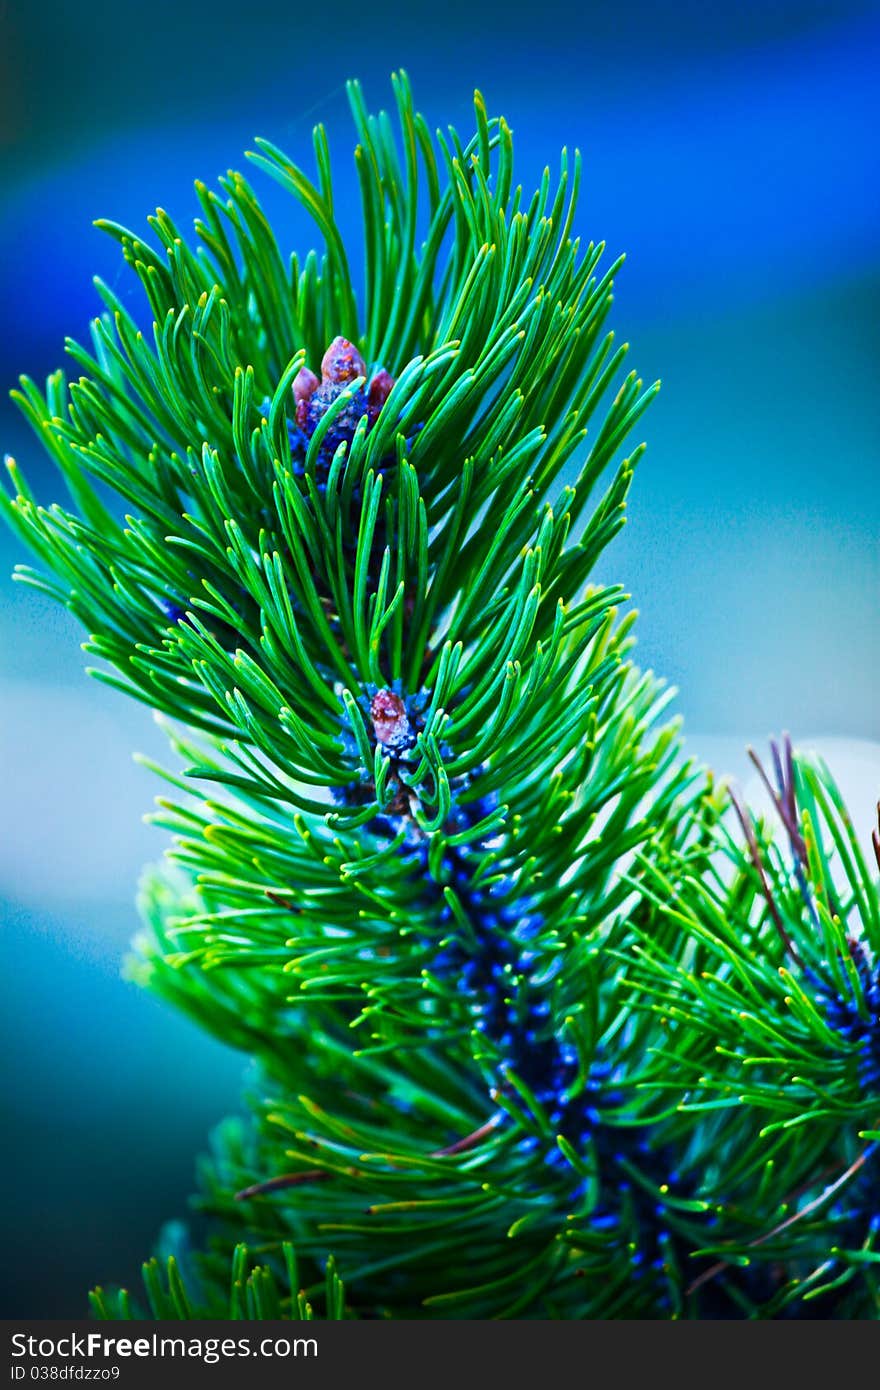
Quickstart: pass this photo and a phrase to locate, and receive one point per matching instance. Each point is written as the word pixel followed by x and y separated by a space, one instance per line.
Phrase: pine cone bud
pixel 305 383
pixel 390 722
pixel 378 393
pixel 342 362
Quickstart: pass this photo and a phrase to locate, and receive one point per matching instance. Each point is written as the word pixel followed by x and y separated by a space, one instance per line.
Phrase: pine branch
pixel 780 1021
pixel 535 1032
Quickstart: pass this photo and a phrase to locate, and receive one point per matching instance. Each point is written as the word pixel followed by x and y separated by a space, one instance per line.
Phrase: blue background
pixel 732 152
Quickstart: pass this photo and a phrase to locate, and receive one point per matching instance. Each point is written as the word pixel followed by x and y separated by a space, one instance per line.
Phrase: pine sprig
pixel 175 428
pixel 767 982
pixel 251 1292
pixel 536 1031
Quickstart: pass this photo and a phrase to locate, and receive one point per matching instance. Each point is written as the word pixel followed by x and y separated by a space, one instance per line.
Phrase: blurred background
pixel 732 152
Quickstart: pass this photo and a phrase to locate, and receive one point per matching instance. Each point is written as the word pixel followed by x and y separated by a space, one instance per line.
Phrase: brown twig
pixel 280 901
pixel 285 1180
pixel 748 829
pixel 470 1140
pixel 784 799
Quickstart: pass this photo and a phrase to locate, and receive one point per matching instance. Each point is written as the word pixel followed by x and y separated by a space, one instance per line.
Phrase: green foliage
pixel 499 366
pixel 248 1292
pixel 513 990
pixel 764 975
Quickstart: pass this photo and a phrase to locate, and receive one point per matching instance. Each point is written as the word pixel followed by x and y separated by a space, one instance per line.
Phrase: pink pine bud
pixel 342 362
pixel 388 714
pixel 378 393
pixel 305 383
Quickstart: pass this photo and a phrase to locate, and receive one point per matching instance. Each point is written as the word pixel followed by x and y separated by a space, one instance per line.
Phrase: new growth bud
pixel 305 383
pixel 390 721
pixel 313 396
pixel 342 362
pixel 378 393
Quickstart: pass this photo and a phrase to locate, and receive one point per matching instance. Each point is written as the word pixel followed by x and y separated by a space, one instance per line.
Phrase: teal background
pixel 732 152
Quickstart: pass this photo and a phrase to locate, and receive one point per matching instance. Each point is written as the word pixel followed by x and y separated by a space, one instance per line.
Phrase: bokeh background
pixel 731 150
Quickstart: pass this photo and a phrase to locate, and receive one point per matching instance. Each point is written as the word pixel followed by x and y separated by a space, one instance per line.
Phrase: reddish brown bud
pixel 304 383
pixel 378 393
pixel 388 713
pixel 342 362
